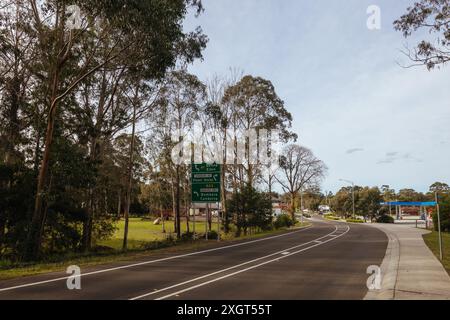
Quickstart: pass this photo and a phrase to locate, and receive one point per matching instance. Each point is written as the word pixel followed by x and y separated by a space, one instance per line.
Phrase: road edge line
pixel 232 267
pixel 252 267
pixel 243 243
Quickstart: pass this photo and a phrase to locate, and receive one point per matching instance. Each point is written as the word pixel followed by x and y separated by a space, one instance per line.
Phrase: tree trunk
pixel 2 232
pixel 38 220
pixel 119 203
pixel 177 213
pixel 226 223
pixel 130 180
pixel 186 205
pixel 174 205
pixel 293 206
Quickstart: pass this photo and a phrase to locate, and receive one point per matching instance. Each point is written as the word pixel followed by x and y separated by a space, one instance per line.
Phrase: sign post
pixel 205 187
pixel 439 226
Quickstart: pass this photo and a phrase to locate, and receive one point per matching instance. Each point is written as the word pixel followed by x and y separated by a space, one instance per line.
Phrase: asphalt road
pixel 326 261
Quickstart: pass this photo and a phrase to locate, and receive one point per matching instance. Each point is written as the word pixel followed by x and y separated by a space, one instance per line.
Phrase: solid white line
pixel 249 268
pixel 154 261
pixel 231 268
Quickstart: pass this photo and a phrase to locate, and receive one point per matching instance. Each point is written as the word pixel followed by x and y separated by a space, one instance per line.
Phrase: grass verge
pixel 10 271
pixel 432 241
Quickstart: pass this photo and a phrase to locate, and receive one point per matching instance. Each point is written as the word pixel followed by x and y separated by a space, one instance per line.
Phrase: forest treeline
pixel 89 118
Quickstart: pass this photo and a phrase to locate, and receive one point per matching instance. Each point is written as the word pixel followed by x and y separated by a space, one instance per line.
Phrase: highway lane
pixel 326 261
pixel 335 270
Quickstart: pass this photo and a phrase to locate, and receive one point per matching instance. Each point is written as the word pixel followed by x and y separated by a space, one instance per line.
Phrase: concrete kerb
pixel 389 270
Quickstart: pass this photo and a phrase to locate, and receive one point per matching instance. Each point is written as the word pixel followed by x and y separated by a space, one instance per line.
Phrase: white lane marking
pixel 285 253
pixel 247 269
pixel 153 261
pixel 231 268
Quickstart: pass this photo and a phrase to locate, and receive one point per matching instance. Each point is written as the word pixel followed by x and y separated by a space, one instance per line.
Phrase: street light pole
pixel 353 195
pixel 353 200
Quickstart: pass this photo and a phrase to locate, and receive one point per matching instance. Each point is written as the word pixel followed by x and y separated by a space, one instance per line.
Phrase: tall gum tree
pixel 255 105
pixel 299 168
pixel 148 32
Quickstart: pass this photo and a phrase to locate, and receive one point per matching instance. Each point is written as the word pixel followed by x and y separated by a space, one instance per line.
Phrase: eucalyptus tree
pixel 217 118
pixel 299 168
pixel 183 96
pixel 16 114
pixel 147 32
pixel 255 105
pixel 432 16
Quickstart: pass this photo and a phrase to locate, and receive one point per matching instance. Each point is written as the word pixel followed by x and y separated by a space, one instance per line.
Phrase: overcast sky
pixel 367 118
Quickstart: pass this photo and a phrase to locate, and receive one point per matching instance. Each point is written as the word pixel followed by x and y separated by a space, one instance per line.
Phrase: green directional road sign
pixel 205 183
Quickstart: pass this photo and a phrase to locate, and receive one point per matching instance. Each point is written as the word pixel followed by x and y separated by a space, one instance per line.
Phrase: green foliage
pixel 284 221
pixel 212 235
pixel 250 208
pixel 16 202
pixel 93 79
pixel 385 219
pixel 355 220
pixel 367 201
pixel 427 17
pixel 330 217
pixel 444 207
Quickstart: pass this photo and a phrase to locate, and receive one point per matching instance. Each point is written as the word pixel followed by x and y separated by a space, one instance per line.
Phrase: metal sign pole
pixel 439 226
pixel 206 221
pixel 218 221
pixel 193 227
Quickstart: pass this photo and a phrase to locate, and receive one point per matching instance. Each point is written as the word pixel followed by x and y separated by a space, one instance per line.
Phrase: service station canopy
pixel 410 204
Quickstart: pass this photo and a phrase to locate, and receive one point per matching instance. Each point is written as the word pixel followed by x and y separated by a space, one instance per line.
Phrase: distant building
pixel 323 209
pixel 277 208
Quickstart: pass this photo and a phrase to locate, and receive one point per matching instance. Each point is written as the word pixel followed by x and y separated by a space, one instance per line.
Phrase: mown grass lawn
pixel 432 242
pixel 141 232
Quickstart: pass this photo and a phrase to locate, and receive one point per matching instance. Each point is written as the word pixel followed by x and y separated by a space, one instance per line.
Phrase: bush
pixel 250 209
pixel 284 221
pixel 213 235
pixel 385 219
pixel 330 217
pixel 444 206
pixel 187 236
pixel 355 220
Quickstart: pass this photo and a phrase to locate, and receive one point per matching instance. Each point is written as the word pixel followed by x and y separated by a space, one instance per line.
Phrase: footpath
pixel 410 271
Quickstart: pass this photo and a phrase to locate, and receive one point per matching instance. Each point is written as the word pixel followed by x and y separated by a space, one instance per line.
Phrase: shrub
pixel 355 220
pixel 187 236
pixel 444 206
pixel 250 209
pixel 284 221
pixel 385 219
pixel 330 217
pixel 212 235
